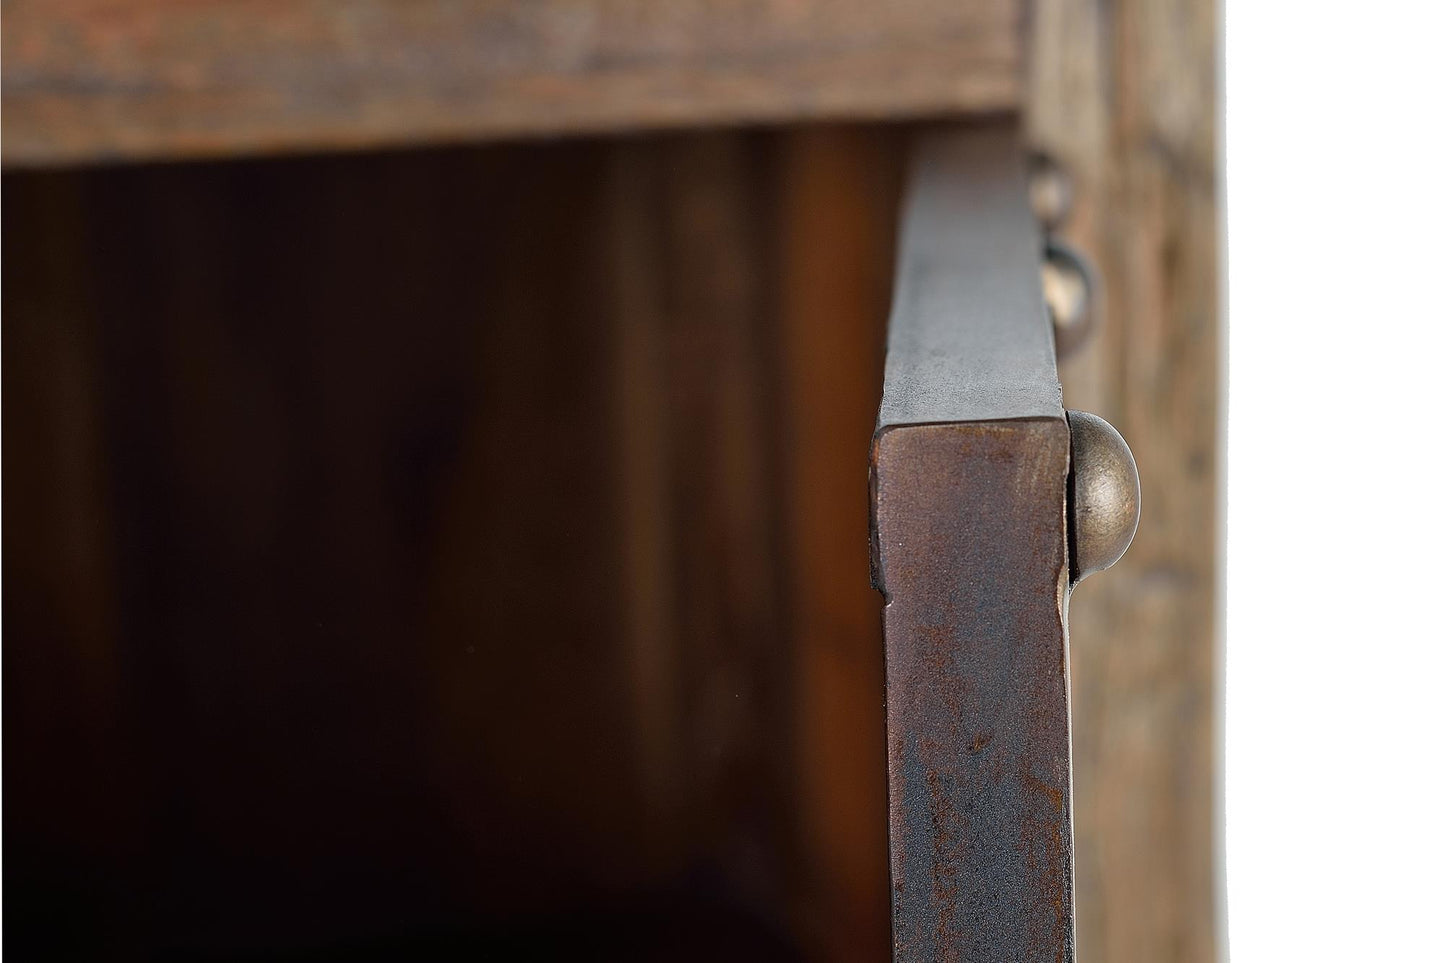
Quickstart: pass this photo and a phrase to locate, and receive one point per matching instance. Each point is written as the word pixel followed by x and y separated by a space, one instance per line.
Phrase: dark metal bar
pixel 969 476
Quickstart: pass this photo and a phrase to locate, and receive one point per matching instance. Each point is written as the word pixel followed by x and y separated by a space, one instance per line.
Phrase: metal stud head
pixel 1051 191
pixel 1068 294
pixel 1103 495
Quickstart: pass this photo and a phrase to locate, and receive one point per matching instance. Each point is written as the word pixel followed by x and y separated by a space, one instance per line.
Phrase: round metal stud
pixel 1103 495
pixel 1068 294
pixel 1051 191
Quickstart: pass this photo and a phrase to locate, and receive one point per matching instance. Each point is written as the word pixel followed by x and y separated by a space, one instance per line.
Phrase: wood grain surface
pixel 280 434
pixel 448 551
pixel 837 230
pixel 87 80
pixel 1124 95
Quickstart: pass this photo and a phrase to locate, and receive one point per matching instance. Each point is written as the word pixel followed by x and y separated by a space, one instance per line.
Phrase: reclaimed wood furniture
pixel 437 444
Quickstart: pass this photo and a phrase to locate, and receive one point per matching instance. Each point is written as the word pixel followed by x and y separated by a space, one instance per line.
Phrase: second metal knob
pixel 1103 495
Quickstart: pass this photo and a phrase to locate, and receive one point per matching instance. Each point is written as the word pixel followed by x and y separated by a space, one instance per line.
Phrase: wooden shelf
pixel 93 80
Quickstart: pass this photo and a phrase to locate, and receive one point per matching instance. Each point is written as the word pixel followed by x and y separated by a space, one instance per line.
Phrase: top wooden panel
pixel 89 80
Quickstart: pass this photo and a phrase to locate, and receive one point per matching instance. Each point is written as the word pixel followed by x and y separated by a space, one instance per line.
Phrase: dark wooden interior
pixel 448 550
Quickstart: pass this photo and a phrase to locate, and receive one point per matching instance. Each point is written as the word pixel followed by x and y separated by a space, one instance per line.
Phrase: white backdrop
pixel 1335 654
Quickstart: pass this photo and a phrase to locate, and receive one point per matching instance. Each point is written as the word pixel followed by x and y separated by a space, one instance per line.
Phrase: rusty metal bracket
pixel 971 505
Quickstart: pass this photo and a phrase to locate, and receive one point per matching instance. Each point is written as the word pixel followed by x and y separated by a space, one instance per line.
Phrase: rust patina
pixel 970 470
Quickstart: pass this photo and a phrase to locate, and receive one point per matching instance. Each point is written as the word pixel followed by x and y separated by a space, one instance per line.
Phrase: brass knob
pixel 1051 191
pixel 1103 495
pixel 1068 294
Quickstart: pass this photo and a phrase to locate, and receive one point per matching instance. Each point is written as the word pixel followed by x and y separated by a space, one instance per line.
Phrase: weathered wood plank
pixel 837 221
pixel 88 80
pixel 1123 94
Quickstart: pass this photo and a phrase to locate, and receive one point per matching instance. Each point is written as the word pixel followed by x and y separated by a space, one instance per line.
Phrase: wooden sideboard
pixel 436 443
